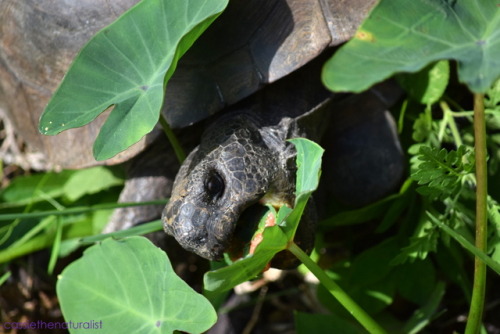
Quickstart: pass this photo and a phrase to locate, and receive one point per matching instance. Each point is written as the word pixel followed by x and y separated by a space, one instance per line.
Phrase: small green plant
pixel 440 173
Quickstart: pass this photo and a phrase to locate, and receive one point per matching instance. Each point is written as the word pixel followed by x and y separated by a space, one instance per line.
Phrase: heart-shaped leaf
pixel 129 286
pixel 406 35
pixel 126 65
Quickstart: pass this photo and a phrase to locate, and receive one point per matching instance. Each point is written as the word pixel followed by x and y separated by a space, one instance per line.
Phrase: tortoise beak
pixel 188 226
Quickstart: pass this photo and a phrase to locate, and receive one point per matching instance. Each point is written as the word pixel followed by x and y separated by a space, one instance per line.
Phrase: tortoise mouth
pixel 213 252
pixel 201 242
pixel 194 229
pixel 246 227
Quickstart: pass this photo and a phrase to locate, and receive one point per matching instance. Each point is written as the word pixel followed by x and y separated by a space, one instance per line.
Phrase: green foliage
pixel 494 217
pixel 274 240
pixel 492 100
pixel 48 204
pixel 423 316
pixel 131 286
pixel 33 189
pixel 375 282
pixel 103 179
pixel 424 240
pixel 441 173
pixel 407 35
pixel 70 185
pixel 469 246
pixel 127 65
pixel 407 256
pixel 391 41
pixel 428 85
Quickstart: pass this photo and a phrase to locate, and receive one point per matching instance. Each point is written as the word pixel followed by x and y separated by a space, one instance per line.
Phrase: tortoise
pixel 251 45
pixel 244 160
pixel 233 59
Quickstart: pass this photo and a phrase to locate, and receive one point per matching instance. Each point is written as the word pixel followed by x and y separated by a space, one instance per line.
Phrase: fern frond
pixel 439 172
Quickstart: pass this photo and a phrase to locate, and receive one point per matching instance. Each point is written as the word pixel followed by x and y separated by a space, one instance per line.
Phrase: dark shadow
pixel 230 61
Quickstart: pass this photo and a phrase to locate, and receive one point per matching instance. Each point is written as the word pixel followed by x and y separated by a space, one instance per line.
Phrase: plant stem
pixel 356 311
pixel 144 228
pixel 76 210
pixel 5 277
pixel 42 241
pixel 479 285
pixel 179 152
pixel 450 121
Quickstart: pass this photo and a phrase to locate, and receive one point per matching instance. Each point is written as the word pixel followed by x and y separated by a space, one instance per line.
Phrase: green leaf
pixel 416 290
pixel 308 163
pixel 424 128
pixel 420 245
pixel 223 279
pixel 440 172
pixel 492 99
pixel 373 265
pixel 368 279
pixel 406 35
pixel 131 288
pixel 494 228
pixel 5 277
pixel 126 65
pixel 363 214
pixel 309 157
pixel 34 188
pixel 423 316
pixel 90 181
pixel 38 232
pixel 467 245
pixel 428 85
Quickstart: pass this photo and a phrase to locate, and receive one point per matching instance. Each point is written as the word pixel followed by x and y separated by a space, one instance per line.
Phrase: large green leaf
pixel 406 35
pixel 129 286
pixel 126 66
pixel 78 184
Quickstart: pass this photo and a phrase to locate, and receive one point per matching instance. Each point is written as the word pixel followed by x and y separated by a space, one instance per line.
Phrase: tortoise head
pixel 230 170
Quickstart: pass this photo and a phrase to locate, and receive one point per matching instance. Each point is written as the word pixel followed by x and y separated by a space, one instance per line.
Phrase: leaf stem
pixel 479 285
pixel 5 277
pixel 179 152
pixel 42 241
pixel 76 210
pixel 356 311
pixel 448 119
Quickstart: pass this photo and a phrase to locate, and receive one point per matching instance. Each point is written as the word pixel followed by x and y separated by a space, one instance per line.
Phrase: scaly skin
pixel 239 160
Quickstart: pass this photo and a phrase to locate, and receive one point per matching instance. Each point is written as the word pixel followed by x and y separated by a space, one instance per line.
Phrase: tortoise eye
pixel 214 185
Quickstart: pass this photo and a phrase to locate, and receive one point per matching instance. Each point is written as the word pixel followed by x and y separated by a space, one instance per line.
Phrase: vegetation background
pixel 416 261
